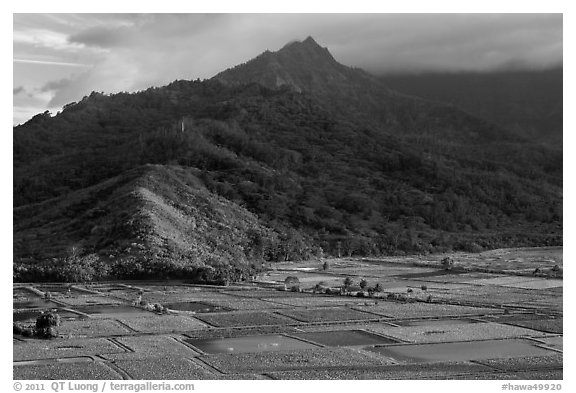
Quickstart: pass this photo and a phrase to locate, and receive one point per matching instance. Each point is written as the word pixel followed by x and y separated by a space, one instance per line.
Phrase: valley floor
pixel 492 320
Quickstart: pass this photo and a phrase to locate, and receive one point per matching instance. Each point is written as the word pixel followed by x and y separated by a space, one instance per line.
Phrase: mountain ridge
pixel 153 214
pixel 349 93
pixel 382 174
pixel 273 68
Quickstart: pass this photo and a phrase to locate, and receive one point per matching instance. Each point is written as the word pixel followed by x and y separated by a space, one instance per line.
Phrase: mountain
pixel 302 66
pixel 309 154
pixel 529 102
pixel 352 94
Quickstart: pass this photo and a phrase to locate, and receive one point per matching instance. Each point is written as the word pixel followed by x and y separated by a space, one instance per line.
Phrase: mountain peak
pixel 301 65
pixel 308 42
pixel 308 48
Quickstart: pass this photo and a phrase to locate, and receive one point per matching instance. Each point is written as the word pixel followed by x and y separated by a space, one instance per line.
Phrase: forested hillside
pixel 321 162
pixel 527 102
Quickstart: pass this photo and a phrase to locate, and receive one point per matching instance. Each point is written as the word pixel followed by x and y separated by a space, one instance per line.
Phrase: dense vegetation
pixel 416 177
pixel 153 221
pixel 528 102
pixel 45 326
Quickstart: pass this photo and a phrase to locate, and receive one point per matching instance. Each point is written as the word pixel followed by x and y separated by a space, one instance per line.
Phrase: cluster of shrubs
pixel 348 287
pixel 555 271
pixel 321 287
pixel 45 326
pixel 153 307
pixel 363 286
pixel 399 297
pixel 348 283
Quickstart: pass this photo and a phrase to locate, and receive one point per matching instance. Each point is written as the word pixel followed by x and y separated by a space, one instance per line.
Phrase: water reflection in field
pixel 266 343
pixel 462 351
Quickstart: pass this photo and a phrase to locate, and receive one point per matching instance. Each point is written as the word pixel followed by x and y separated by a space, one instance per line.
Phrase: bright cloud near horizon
pixel 59 58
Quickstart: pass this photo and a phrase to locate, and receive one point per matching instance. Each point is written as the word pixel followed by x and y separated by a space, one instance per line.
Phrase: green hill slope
pixel 314 167
pixel 161 217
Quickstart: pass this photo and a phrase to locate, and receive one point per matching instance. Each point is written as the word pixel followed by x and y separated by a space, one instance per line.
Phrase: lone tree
pixel 447 263
pixel 292 283
pixel 347 282
pixel 46 325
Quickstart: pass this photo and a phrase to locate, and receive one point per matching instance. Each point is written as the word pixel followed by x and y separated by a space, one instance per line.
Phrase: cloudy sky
pixel 59 58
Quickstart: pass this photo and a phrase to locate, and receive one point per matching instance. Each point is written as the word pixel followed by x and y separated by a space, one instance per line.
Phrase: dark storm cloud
pixel 377 42
pixel 454 42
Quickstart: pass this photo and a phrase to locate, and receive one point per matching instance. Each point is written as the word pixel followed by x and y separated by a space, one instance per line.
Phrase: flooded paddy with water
pixel 492 318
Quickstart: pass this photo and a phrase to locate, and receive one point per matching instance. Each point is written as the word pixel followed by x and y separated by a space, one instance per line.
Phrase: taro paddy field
pixel 492 319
